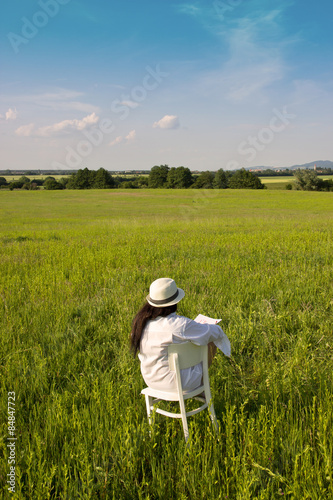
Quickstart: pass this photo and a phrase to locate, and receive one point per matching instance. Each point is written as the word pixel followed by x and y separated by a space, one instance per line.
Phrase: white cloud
pixel 60 128
pixel 11 114
pixel 130 137
pixel 167 122
pixel 117 140
pixel 25 130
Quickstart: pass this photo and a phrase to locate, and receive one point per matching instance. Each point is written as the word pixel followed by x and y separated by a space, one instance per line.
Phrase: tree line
pixel 170 178
pixel 159 177
pixel 181 177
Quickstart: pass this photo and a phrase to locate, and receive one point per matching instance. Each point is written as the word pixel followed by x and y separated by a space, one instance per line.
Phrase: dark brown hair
pixel 146 313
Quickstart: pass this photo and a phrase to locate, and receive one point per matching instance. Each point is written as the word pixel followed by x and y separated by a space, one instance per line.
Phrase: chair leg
pixel 149 401
pixel 184 418
pixel 213 417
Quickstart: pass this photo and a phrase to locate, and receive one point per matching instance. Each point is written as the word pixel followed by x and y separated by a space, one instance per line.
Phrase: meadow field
pixel 76 267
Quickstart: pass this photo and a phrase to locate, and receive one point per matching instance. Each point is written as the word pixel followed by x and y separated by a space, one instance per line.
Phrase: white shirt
pixel 173 329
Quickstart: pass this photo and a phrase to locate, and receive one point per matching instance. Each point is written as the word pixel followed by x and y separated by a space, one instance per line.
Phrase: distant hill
pixel 319 163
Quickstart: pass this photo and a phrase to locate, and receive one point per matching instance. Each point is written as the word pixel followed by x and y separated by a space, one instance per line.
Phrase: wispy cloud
pixel 167 122
pixel 117 140
pixel 253 66
pixel 25 130
pixel 60 128
pixel 130 137
pixel 130 104
pixel 307 91
pixel 191 9
pixel 59 99
pixel 248 66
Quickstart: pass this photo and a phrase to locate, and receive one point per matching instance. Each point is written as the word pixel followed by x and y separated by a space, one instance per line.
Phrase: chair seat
pixel 171 396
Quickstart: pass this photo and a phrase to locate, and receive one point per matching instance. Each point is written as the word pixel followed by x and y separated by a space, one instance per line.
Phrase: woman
pixel 157 325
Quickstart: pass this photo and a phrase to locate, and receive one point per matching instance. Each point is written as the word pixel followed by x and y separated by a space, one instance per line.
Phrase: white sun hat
pixel 164 292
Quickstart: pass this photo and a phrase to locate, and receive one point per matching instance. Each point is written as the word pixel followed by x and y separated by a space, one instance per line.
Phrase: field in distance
pixel 76 267
pixel 280 182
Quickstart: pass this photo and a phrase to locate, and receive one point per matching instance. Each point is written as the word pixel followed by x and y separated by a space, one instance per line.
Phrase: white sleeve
pixel 202 334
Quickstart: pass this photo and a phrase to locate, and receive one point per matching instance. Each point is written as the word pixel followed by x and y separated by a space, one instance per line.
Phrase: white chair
pixel 183 356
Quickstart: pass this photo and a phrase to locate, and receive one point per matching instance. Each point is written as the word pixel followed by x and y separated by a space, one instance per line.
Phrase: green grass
pixel 75 268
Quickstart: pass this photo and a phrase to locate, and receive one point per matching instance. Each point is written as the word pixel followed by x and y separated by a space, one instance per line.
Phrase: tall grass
pixel 75 268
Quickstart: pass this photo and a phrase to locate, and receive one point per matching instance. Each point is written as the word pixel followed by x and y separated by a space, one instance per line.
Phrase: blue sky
pixel 129 85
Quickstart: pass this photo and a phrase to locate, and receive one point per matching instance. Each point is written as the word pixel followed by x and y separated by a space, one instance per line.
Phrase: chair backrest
pixel 189 355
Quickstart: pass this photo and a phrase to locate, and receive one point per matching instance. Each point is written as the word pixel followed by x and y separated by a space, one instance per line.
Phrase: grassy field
pixel 277 182
pixel 75 268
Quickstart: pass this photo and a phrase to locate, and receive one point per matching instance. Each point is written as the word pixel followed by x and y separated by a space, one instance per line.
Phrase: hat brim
pixel 180 296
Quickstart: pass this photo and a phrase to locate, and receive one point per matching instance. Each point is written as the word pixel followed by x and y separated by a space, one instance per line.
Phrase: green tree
pixel 243 179
pixel 172 178
pixel 221 180
pixel 179 178
pixel 204 180
pixel 325 185
pixel 128 185
pixel 64 181
pixel 134 183
pixel 38 182
pixel 83 179
pixel 141 181
pixel 24 180
pixel 15 185
pixel 306 180
pixel 52 184
pixel 158 176
pixel 103 180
